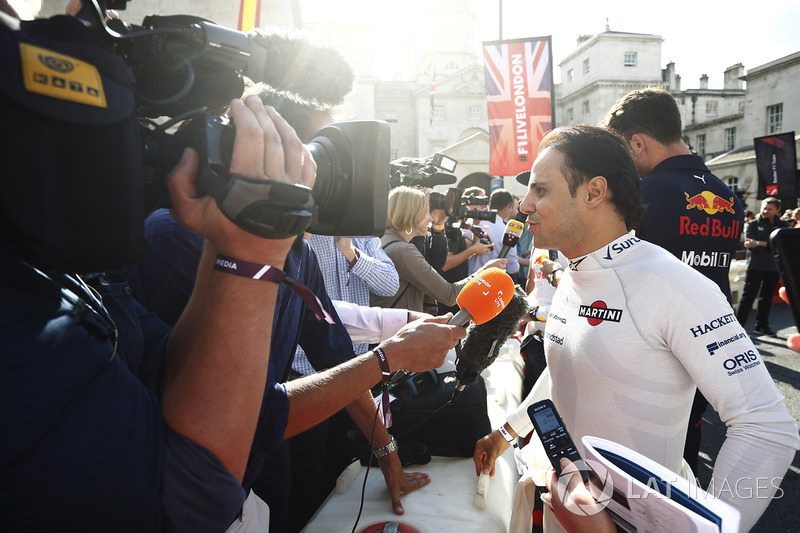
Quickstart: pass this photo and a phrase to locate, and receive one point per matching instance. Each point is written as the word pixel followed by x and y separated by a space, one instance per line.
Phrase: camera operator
pixel 459 250
pixel 96 437
pixel 504 203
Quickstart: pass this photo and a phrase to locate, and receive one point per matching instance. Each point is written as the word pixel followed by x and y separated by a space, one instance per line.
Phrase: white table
pixel 447 503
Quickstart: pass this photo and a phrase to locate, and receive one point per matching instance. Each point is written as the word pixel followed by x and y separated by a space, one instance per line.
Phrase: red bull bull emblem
pixel 709 202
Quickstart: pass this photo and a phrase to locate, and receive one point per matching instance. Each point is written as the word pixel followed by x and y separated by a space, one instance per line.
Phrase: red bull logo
pixel 709 202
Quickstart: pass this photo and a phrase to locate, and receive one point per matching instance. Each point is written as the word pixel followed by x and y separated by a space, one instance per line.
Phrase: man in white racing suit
pixel 632 330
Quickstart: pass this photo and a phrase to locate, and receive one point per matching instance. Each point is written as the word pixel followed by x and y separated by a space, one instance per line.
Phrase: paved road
pixel 783 514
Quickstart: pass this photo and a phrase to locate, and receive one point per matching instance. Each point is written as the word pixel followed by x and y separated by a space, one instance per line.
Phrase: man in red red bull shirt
pixel 690 212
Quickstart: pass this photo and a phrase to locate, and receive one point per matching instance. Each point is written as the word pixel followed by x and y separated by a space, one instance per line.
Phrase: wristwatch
pixel 385 450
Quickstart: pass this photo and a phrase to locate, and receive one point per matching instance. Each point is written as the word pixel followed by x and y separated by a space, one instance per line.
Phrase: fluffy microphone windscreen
pixel 317 72
pixel 482 344
pixel 486 294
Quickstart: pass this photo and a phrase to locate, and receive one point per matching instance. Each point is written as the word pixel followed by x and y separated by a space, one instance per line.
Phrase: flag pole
pixel 500 18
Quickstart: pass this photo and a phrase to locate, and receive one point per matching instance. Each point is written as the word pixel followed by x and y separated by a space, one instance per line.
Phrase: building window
pixel 733 183
pixel 730 139
pixel 629 59
pixel 774 118
pixel 390 116
pixel 570 116
pixel 438 112
pixel 571 75
pixel 586 66
pixel 585 107
pixel 700 141
pixel 741 106
pixel 474 112
pixel 711 108
pixel 394 154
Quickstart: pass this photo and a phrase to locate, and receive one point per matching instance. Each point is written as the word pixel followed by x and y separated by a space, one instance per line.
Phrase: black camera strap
pixel 264 207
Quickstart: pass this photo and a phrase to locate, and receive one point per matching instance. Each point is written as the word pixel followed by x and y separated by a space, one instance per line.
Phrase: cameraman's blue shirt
pixel 164 281
pixel 84 445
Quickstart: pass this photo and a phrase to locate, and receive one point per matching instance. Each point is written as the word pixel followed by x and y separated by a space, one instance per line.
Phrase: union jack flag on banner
pixel 519 78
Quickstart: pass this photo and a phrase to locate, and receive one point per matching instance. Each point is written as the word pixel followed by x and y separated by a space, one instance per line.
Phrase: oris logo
pixel 740 363
pixel 56 63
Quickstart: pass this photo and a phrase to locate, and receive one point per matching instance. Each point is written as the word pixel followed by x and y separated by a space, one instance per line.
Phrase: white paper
pixel 644 496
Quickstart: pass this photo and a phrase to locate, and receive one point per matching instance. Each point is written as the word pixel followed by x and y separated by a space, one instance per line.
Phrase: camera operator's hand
pixel 345 246
pixel 480 248
pixel 438 217
pixel 265 146
pixel 422 345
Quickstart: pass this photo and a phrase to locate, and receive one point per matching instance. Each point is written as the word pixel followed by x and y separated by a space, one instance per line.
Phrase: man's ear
pixel 638 143
pixel 596 190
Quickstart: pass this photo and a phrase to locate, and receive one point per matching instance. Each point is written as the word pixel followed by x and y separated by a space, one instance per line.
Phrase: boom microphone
pixel 511 237
pixel 294 62
pixel 483 297
pixel 482 344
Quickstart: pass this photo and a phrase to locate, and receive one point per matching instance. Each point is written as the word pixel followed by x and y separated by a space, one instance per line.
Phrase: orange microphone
pixel 483 297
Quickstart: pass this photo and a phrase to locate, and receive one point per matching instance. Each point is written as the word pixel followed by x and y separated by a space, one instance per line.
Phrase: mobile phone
pixel 554 435
pixel 785 244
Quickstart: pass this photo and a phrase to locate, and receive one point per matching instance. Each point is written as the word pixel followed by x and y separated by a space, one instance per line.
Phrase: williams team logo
pixel 598 312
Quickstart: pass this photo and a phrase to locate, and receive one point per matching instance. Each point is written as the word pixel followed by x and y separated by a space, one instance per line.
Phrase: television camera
pixel 98 103
pixel 459 214
pixel 417 172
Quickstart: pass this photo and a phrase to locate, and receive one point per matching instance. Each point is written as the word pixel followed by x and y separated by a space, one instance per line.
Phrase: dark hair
pixel 591 151
pixel 477 191
pixel 652 111
pixel 771 200
pixel 500 199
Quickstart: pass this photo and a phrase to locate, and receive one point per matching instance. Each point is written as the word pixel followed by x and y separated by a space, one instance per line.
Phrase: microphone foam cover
pixel 486 294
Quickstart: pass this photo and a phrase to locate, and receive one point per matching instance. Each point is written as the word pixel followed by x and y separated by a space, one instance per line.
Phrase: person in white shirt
pixel 504 203
pixel 632 331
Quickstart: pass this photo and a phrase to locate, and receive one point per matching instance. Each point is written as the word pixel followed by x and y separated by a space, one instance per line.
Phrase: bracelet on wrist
pixel 506 435
pixel 551 277
pixel 385 450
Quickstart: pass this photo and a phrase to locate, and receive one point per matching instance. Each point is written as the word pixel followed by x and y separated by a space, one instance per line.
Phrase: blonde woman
pixel 408 217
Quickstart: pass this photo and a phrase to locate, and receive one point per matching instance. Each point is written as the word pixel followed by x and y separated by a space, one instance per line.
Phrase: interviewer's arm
pixel 370 324
pixel 417 347
pixel 219 350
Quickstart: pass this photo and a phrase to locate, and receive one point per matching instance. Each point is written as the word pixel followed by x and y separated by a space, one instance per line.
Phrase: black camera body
pixel 80 96
pixel 459 217
pixel 417 172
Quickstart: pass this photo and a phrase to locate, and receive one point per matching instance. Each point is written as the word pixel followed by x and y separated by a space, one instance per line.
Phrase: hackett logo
pixel 598 312
pixel 702 329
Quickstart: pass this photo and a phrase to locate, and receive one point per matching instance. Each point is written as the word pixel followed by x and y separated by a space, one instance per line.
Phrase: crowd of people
pixel 198 388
